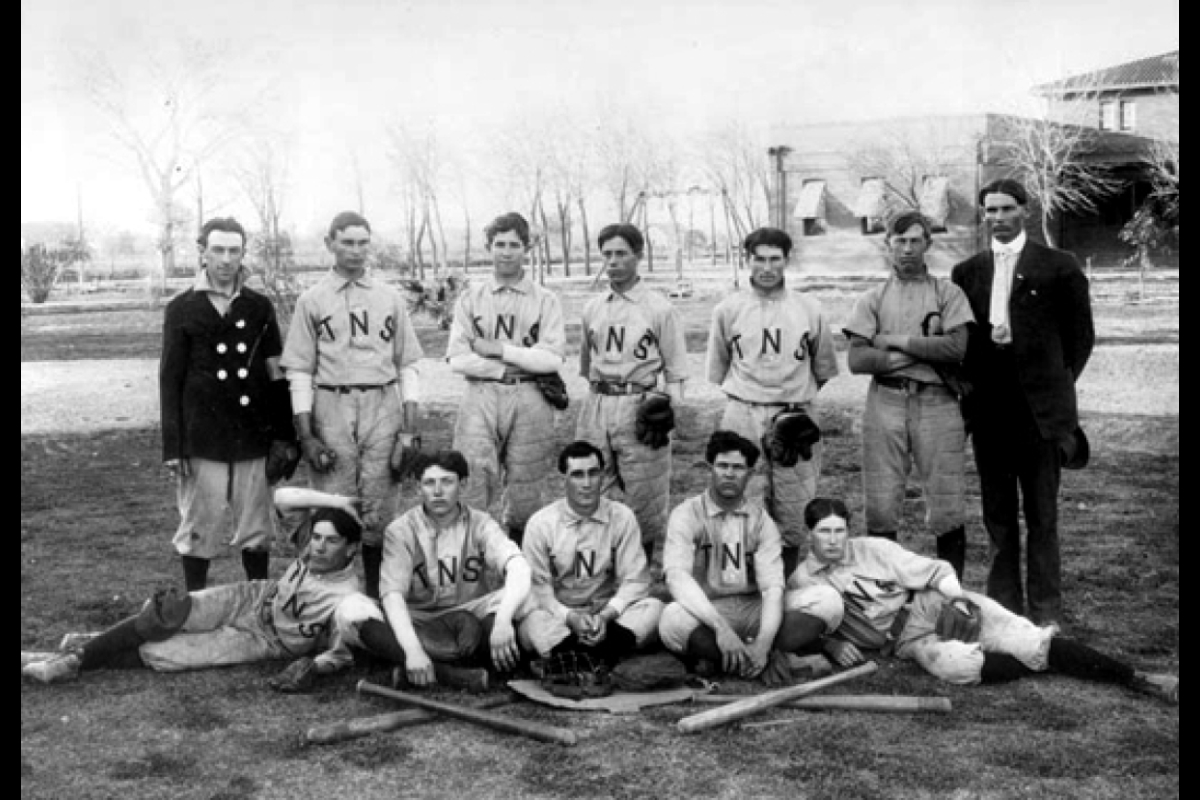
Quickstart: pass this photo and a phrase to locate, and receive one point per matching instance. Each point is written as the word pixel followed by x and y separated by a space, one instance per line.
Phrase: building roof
pixel 1155 71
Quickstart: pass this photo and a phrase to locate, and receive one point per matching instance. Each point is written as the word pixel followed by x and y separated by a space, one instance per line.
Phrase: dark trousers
pixel 1019 472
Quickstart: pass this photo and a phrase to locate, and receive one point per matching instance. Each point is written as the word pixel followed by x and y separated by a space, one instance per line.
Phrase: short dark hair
pixel 347 219
pixel 771 237
pixel 346 526
pixel 578 449
pixel 1007 186
pixel 632 236
pixel 905 220
pixel 512 221
pixel 727 441
pixel 449 460
pixel 226 224
pixel 821 507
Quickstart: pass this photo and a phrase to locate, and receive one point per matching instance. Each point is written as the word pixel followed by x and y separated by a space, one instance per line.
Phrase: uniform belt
pixel 346 388
pixel 610 388
pixel 781 406
pixel 905 384
pixel 508 379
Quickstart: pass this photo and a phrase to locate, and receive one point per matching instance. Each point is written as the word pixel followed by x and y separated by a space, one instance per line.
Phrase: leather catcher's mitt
pixel 655 421
pixel 554 389
pixel 299 676
pixel 792 437
pixel 959 619
pixel 649 672
pixel 282 460
pixel 403 460
pixel 574 676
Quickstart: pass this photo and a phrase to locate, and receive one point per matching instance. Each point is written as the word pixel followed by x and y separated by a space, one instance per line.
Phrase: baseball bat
pixel 533 730
pixel 849 702
pixel 344 730
pixel 752 705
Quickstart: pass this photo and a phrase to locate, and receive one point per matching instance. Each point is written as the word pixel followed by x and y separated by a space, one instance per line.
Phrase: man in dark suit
pixel 1031 340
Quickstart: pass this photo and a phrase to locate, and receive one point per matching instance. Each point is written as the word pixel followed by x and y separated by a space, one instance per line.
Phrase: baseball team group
pixel 487 577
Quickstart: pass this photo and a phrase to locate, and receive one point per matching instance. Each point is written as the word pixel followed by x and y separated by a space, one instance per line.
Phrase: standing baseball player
pixel 591 578
pixel 507 331
pixel 770 350
pixel 227 432
pixel 910 332
pixel 453 585
pixel 350 358
pixel 634 358
pixel 894 598
pixel 238 623
pixel 725 574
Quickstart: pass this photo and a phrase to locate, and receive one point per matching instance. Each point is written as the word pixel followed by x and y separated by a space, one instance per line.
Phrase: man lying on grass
pixel 894 598
pixel 238 623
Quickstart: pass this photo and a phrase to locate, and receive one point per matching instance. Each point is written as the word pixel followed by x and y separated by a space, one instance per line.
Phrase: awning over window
pixel 870 199
pixel 811 204
pixel 935 199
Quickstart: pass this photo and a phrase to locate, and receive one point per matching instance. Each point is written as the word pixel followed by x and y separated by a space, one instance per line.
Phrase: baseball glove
pixel 650 672
pixel 655 421
pixel 554 390
pixel 404 459
pixel 959 619
pixel 792 437
pixel 858 630
pixel 299 676
pixel 574 676
pixel 282 460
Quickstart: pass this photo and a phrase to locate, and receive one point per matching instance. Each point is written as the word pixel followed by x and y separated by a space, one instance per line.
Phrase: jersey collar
pixel 602 513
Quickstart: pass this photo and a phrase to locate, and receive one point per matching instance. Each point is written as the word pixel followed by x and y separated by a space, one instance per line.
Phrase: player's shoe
pixel 62 667
pixel 473 679
pixel 1164 687
pixel 74 641
pixel 33 656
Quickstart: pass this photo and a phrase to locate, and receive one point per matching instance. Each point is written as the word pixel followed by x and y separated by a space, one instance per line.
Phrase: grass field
pixel 96 517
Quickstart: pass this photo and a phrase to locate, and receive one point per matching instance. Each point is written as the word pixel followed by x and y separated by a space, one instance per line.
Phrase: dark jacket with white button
pixel 217 399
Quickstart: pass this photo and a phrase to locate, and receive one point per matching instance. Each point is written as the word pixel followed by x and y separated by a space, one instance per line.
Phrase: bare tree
pixel 1155 225
pixel 903 158
pixel 418 160
pixel 168 117
pixel 263 176
pixel 734 162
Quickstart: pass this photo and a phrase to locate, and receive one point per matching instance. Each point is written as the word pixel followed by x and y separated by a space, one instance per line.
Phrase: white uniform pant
pixel 958 662
pixel 635 474
pixel 507 434
pixel 223 505
pixel 783 491
pixel 541 631
pixel 743 612
pixel 361 427
pixel 919 431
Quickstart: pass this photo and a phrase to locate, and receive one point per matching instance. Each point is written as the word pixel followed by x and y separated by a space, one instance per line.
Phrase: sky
pixel 340 71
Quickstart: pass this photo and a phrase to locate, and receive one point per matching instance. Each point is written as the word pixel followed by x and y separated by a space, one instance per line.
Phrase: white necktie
pixel 1001 284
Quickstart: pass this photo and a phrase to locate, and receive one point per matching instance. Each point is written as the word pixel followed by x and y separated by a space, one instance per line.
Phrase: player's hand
pixel 734 654
pixel 579 623
pixel 487 348
pixel 178 467
pixel 843 653
pixel 758 655
pixel 419 669
pixel 598 629
pixel 318 456
pixel 889 341
pixel 505 653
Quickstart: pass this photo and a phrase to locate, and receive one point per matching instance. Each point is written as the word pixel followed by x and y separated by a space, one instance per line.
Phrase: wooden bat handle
pixel 533 730
pixel 752 705
pixel 333 732
pixel 848 702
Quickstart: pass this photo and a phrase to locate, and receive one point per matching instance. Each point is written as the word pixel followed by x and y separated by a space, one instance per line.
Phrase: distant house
pixel 835 184
pixel 1140 97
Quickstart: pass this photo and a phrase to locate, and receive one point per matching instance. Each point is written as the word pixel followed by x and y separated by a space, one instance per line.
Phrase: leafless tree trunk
pixel 587 235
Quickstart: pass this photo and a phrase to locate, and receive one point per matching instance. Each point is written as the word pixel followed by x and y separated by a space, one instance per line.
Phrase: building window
pixel 1128 115
pixel 870 207
pixel 1108 115
pixel 810 208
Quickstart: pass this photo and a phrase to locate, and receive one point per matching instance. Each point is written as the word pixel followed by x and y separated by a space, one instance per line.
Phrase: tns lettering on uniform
pixel 360 325
pixel 735 343
pixel 532 338
pixel 771 337
pixel 728 556
pixel 857 595
pixel 804 348
pixel 312 631
pixel 642 350
pixel 448 571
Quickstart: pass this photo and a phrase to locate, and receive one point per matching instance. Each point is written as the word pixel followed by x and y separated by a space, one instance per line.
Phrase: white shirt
pixel 1005 256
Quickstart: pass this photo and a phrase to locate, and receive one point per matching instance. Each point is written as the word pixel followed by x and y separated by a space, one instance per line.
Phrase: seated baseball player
pixel 452 585
pixel 898 600
pixel 724 571
pixel 288 617
pixel 591 579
